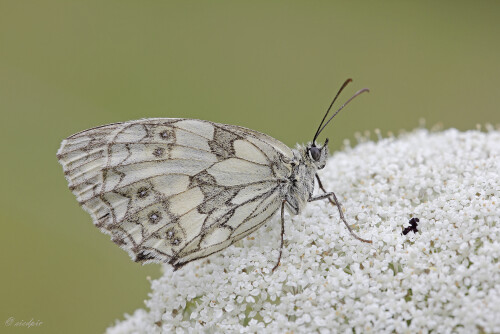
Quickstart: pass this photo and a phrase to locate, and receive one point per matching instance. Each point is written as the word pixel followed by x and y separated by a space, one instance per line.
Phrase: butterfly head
pixel 318 155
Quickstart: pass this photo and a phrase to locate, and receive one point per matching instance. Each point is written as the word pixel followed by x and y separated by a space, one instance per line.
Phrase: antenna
pixel 322 126
pixel 330 107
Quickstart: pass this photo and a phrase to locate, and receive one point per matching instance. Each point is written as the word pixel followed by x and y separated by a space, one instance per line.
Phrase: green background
pixel 273 66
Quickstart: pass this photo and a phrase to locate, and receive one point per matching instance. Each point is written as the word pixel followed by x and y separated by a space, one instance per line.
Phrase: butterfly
pixel 174 190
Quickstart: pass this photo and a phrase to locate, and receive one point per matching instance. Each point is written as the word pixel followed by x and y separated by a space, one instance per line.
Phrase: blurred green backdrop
pixel 272 66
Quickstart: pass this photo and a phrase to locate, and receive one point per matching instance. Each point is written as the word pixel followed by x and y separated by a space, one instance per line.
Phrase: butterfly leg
pixel 320 197
pixel 282 233
pixel 336 203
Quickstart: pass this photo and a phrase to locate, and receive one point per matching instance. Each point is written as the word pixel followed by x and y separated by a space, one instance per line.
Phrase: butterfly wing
pixel 175 190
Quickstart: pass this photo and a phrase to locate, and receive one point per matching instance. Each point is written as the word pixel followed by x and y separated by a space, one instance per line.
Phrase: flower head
pixel 444 277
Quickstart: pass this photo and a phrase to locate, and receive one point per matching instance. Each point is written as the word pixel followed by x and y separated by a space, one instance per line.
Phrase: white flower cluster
pixel 444 278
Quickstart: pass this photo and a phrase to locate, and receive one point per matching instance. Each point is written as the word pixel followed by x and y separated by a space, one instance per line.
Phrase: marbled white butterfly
pixel 173 190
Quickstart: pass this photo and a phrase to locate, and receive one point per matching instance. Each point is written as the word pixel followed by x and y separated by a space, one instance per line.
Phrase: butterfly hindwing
pixel 175 190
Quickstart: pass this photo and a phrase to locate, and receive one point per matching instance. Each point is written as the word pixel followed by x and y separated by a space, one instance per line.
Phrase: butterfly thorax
pixel 301 181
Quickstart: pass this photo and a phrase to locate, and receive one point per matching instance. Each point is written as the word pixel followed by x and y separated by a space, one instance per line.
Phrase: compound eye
pixel 315 153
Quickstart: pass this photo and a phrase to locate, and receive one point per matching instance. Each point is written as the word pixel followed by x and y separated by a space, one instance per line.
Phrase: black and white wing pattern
pixel 176 190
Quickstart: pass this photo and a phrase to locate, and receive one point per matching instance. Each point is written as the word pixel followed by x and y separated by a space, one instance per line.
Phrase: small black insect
pixel 413 226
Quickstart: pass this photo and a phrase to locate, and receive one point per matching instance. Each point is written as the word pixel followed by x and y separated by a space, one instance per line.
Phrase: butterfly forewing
pixel 175 190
